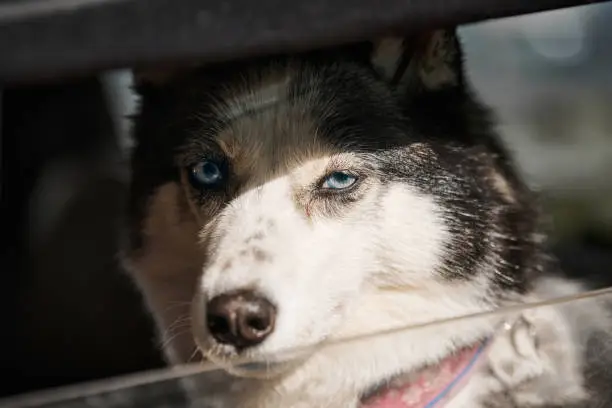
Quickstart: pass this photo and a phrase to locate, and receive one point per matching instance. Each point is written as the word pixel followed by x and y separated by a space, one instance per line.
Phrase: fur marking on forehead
pixel 255 96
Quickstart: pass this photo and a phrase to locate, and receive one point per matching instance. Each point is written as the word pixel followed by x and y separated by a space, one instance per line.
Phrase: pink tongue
pixel 428 385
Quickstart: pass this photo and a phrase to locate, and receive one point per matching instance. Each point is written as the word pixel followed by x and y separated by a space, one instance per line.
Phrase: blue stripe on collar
pixel 459 377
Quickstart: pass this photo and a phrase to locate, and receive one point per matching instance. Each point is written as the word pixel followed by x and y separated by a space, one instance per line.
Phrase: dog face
pixel 288 201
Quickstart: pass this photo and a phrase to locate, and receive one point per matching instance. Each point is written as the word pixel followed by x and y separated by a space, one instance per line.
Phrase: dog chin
pixel 256 365
pixel 265 370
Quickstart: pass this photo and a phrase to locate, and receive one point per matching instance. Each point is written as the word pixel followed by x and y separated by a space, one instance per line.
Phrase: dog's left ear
pixel 426 62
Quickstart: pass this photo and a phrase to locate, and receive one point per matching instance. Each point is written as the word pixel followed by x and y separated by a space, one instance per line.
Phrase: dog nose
pixel 241 319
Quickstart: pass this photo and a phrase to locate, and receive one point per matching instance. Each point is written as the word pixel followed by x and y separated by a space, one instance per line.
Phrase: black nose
pixel 241 319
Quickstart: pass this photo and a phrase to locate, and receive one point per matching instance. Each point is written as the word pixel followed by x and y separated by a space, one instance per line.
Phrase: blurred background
pixel 549 78
pixel 64 150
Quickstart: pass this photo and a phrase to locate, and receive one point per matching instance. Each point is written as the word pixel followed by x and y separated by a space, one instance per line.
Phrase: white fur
pixel 332 278
pixel 371 269
pixel 534 355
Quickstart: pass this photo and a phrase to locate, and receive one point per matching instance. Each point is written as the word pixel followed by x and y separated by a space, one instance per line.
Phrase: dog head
pixel 310 197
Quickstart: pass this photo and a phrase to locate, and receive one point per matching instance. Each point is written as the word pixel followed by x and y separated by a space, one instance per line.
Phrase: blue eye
pixel 205 174
pixel 339 180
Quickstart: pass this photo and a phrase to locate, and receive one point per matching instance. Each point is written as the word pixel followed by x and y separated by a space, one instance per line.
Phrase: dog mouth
pixel 263 370
pixel 428 386
pixel 262 367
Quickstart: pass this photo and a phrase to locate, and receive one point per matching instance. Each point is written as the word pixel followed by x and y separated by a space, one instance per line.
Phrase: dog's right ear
pixel 425 62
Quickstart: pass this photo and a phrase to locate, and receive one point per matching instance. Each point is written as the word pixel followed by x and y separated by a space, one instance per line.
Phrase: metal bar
pixel 41 39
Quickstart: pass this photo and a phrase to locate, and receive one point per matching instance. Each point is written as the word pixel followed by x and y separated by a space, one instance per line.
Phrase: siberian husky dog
pixel 290 202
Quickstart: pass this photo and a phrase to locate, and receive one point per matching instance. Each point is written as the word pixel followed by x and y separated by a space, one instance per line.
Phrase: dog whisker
pixel 196 351
pixel 168 340
pixel 180 322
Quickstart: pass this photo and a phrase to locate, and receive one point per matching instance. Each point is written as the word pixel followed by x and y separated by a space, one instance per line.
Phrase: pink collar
pixel 432 386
